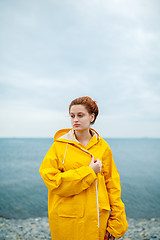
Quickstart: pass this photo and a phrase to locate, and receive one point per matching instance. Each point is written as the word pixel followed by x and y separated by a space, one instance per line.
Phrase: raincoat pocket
pixel 103 194
pixel 67 210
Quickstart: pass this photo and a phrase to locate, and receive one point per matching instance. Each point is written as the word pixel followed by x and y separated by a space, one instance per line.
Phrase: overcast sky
pixel 55 51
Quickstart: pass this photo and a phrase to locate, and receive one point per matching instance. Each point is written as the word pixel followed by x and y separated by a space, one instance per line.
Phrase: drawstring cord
pixel 97 201
pixel 65 154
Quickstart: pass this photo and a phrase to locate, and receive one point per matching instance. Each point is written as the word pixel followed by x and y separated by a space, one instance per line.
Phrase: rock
pixel 38 228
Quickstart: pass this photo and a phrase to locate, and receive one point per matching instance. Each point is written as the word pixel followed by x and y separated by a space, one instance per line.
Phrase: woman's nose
pixel 75 119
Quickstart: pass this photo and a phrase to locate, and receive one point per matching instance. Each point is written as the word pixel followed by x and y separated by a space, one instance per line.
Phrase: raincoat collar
pixel 67 135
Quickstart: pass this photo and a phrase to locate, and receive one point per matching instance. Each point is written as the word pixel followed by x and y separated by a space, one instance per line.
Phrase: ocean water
pixel 23 193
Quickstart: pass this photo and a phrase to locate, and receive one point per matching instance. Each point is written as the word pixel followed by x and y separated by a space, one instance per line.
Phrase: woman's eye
pixel 72 116
pixel 80 115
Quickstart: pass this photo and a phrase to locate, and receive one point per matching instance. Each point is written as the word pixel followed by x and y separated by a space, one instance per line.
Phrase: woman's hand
pixel 96 165
pixel 108 236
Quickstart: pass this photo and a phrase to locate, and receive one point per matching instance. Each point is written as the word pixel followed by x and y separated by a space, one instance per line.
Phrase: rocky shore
pixel 38 228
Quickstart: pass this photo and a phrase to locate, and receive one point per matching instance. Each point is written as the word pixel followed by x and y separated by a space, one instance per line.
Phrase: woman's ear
pixel 92 117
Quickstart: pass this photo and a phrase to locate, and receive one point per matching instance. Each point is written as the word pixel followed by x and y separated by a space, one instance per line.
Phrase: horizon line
pixel 13 137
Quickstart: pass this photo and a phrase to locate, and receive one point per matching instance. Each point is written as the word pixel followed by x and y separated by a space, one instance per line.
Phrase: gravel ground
pixel 38 228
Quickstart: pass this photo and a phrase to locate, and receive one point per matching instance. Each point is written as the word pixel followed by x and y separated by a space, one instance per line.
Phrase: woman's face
pixel 80 118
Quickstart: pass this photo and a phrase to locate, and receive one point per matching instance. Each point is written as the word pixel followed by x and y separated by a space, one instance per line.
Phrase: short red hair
pixel 90 105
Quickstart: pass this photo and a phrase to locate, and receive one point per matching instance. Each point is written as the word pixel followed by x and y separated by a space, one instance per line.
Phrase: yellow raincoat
pixel 79 201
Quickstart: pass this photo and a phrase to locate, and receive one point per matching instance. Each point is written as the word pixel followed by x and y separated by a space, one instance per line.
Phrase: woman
pixel 84 192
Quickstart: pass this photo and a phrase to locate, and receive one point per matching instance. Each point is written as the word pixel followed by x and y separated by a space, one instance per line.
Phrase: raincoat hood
pixel 69 136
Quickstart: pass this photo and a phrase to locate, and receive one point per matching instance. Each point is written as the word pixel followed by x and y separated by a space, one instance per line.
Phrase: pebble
pixel 146 229
pixel 38 228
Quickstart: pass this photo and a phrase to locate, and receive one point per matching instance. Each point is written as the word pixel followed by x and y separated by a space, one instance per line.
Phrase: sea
pixel 23 193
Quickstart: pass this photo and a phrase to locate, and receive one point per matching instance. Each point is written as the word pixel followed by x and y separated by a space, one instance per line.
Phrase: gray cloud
pixel 54 51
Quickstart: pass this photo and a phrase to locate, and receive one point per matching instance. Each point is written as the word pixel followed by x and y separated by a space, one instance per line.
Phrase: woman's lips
pixel 76 125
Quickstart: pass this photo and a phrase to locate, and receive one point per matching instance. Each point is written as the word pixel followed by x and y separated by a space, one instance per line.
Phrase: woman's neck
pixel 83 136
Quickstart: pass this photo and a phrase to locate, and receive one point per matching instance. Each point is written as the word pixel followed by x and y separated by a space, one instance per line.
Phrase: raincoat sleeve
pixel 66 183
pixel 117 222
